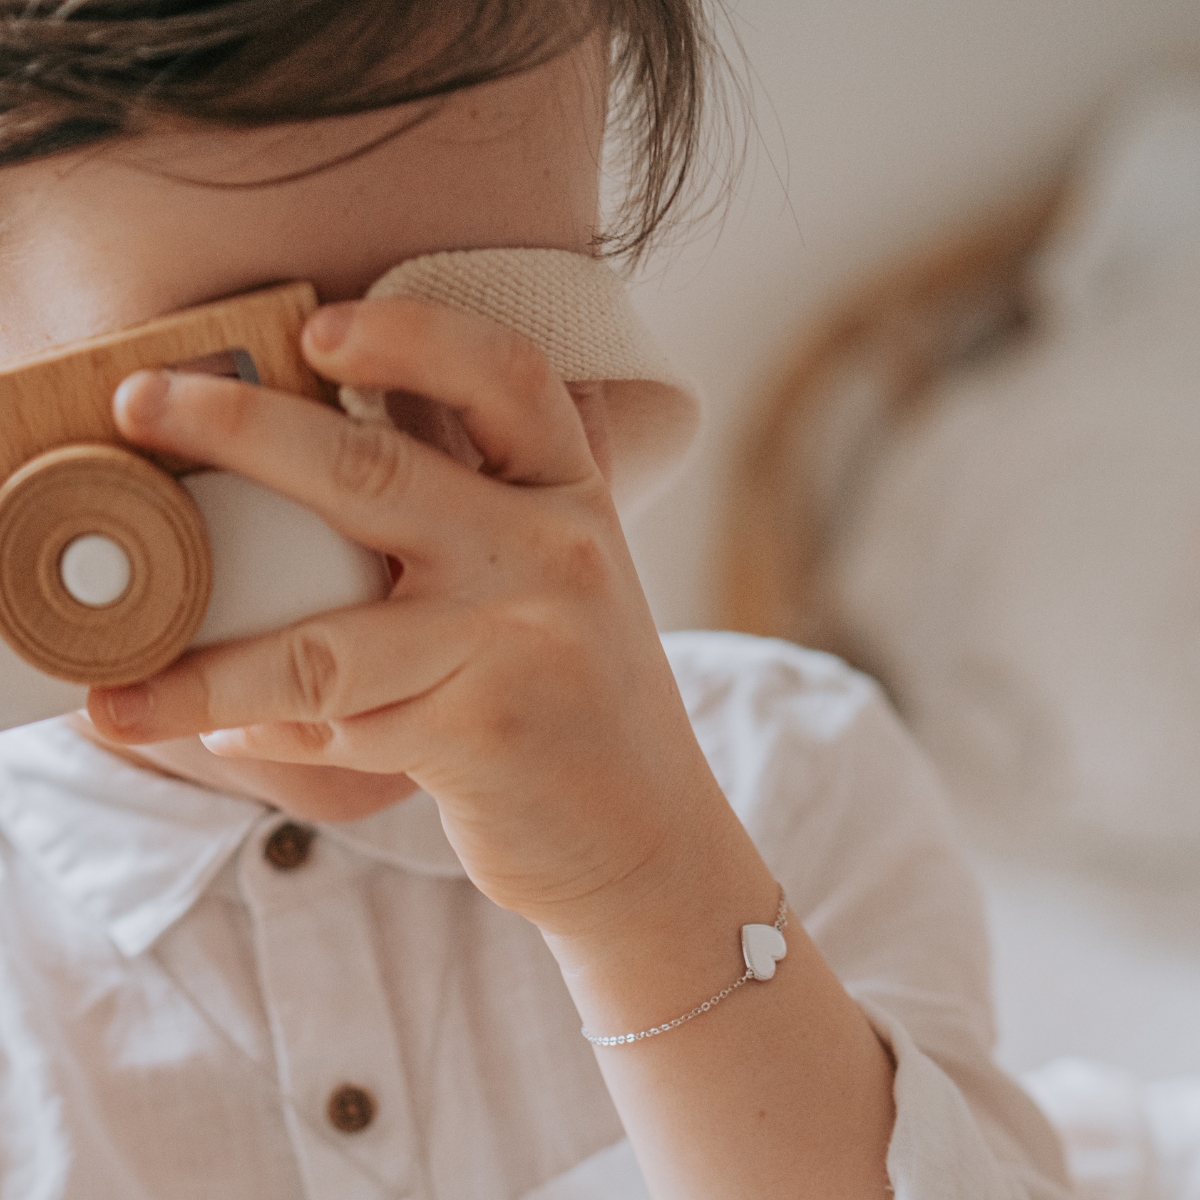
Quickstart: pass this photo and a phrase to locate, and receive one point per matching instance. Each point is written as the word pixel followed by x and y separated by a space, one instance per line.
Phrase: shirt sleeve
pixel 849 816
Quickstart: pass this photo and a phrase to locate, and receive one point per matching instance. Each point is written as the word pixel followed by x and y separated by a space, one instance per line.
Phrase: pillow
pixel 1022 562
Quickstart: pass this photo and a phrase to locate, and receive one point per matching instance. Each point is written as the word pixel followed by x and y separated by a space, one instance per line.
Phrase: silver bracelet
pixel 762 947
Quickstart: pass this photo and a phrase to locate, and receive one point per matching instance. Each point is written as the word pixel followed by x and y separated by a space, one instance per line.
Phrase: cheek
pixel 314 793
pixel 311 793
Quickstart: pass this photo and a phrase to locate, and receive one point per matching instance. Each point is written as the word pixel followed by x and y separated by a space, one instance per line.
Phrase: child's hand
pixel 515 672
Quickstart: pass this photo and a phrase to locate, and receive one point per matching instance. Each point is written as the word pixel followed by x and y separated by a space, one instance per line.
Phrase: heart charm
pixel 762 946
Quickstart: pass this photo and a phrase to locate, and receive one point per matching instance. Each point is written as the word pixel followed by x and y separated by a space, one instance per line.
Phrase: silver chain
pixel 623 1039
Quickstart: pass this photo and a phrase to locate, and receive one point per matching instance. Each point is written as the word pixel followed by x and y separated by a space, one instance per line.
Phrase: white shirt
pixel 176 1012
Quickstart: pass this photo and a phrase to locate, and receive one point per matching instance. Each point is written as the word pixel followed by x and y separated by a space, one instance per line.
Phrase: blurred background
pixel 987 218
pixel 881 124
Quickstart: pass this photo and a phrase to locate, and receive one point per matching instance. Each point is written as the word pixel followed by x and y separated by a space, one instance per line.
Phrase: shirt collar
pixel 133 850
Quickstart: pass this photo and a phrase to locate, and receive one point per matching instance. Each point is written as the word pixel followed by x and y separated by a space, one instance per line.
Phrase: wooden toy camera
pixel 113 561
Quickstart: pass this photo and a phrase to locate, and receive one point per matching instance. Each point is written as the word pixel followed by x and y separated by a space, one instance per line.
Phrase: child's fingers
pixel 515 409
pixel 375 743
pixel 386 741
pixel 369 742
pixel 330 667
pixel 379 487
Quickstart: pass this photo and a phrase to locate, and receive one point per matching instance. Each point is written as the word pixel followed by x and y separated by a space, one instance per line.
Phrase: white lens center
pixel 95 570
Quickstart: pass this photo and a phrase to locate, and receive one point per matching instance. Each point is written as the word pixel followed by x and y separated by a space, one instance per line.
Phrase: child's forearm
pixel 783 1090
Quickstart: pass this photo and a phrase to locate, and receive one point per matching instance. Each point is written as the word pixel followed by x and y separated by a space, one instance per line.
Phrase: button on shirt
pixel 202 997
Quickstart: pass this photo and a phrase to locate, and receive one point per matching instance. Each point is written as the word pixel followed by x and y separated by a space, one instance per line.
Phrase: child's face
pixel 110 236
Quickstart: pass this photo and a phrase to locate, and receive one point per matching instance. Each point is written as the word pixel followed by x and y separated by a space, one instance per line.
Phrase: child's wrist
pixel 653 943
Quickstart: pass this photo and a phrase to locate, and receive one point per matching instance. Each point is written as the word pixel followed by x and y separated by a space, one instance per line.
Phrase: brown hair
pixel 75 72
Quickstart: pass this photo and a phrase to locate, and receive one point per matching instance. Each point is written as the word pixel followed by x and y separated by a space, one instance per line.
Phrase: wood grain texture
pixel 106 490
pixel 64 395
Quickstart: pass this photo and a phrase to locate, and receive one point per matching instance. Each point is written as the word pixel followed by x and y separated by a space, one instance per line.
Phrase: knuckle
pixel 228 407
pixel 312 737
pixel 501 727
pixel 313 673
pixel 369 460
pixel 584 560
pixel 550 643
pixel 577 562
pixel 550 663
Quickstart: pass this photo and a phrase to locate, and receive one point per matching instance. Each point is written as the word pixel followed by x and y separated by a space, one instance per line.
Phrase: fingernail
pixel 222 741
pixel 129 707
pixel 326 329
pixel 141 399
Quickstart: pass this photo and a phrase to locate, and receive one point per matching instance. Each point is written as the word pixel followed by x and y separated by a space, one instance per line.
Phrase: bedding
pixel 1047 647
pixel 1019 560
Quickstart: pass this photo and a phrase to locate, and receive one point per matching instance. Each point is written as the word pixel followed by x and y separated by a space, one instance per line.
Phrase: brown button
pixel 289 846
pixel 351 1109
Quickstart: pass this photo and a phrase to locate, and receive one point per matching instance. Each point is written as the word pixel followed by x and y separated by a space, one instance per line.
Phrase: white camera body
pixel 274 563
pixel 113 563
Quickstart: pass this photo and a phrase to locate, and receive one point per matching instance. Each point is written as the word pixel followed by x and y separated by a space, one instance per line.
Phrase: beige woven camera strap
pixel 573 307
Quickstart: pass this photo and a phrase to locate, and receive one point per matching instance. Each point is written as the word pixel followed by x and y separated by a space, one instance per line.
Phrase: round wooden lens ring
pixel 106 490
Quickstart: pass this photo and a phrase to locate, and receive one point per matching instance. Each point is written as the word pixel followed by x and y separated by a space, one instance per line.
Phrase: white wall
pixel 891 118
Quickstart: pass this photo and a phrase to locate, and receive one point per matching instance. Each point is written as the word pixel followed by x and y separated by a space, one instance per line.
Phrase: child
pixel 342 946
